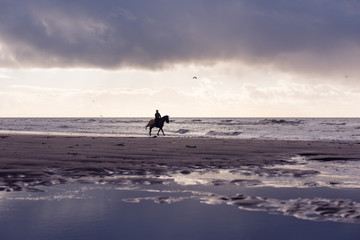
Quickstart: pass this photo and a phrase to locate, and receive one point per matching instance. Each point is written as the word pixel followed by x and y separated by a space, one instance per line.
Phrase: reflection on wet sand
pixel 317 209
pixel 297 171
pixel 314 209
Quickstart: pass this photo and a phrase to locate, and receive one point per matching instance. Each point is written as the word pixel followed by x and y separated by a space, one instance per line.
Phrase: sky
pixel 203 58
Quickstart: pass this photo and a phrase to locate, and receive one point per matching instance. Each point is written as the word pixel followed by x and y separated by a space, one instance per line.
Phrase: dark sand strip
pixel 30 160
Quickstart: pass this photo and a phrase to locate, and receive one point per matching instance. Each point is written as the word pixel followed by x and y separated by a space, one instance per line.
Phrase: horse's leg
pixel 158 131
pixel 150 130
pixel 162 131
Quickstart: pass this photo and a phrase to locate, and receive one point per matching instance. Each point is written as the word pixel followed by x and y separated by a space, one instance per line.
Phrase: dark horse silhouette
pixel 160 124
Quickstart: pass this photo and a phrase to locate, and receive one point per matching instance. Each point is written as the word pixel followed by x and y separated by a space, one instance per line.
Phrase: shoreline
pixel 154 135
pixel 28 160
pixel 294 129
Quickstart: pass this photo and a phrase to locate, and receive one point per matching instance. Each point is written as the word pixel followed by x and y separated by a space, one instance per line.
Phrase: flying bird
pixel 194 77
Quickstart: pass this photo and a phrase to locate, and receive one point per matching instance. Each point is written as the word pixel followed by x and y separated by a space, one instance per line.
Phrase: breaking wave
pixel 258 128
pixel 182 131
pixel 333 124
pixel 214 133
pixel 281 121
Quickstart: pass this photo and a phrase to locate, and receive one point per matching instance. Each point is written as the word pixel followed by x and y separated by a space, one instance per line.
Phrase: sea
pixel 244 203
pixel 245 128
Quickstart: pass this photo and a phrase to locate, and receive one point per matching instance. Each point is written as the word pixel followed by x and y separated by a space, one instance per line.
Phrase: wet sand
pixel 30 160
pixel 31 163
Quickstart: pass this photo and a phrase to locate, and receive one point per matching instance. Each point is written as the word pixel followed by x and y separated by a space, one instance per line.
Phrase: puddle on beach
pixel 79 211
pixel 303 199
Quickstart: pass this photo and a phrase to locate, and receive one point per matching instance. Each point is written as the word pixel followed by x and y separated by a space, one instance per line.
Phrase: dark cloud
pixel 307 35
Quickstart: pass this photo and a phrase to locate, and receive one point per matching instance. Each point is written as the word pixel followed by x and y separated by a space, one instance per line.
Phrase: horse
pixel 160 124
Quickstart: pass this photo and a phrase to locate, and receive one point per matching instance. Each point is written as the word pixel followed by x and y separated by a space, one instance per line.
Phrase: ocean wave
pixel 273 128
pixel 130 121
pixel 333 124
pixel 182 131
pixel 229 122
pixel 214 133
pixel 78 120
pixel 281 121
pixel 226 120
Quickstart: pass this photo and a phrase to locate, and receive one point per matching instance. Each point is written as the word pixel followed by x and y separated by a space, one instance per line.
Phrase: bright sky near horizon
pixel 127 58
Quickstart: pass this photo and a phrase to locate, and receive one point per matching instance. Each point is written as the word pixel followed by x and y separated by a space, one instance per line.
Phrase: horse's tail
pixel 151 122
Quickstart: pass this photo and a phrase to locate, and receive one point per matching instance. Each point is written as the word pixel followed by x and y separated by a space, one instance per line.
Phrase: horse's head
pixel 166 117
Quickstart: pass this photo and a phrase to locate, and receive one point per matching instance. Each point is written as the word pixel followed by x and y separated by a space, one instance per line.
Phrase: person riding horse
pixel 157 122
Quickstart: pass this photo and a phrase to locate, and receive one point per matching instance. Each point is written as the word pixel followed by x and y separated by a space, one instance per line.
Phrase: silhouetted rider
pixel 157 117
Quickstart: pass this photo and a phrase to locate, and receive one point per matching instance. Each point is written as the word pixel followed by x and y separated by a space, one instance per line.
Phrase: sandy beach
pixel 308 180
pixel 30 160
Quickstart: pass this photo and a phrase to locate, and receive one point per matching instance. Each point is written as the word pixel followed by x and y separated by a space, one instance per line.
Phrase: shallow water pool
pixel 95 211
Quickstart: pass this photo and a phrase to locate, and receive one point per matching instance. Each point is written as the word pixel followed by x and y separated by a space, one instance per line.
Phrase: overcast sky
pixel 123 58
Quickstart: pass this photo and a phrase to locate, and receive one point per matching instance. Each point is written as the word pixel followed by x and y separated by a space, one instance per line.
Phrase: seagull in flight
pixel 194 77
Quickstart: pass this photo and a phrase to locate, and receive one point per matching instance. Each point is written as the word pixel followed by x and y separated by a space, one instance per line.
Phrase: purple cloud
pixel 297 35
